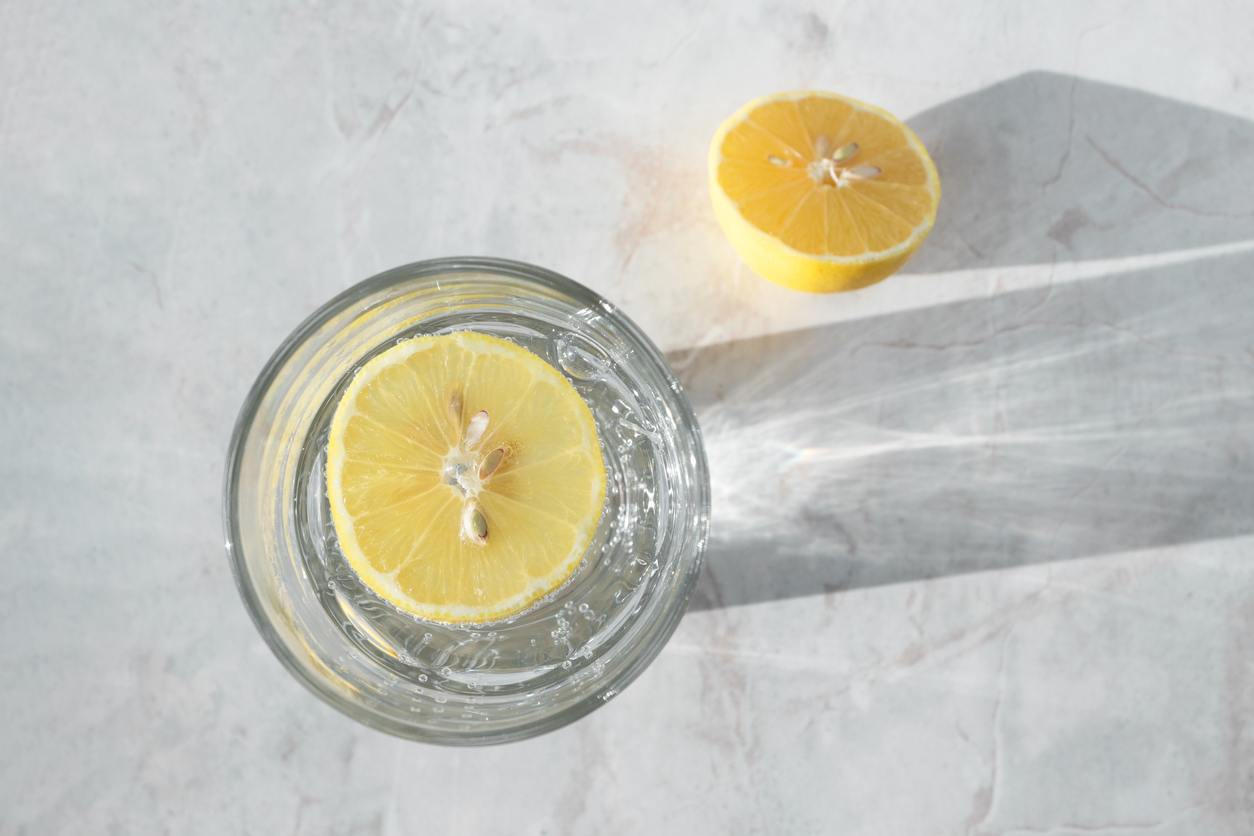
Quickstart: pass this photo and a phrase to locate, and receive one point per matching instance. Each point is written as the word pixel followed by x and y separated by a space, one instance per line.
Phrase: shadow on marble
pixel 1068 421
pixel 1044 168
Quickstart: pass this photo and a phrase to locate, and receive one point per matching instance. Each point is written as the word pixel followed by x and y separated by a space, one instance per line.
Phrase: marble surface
pixel 982 534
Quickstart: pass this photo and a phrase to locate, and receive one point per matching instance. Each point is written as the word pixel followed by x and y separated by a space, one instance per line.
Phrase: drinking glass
pixel 468 684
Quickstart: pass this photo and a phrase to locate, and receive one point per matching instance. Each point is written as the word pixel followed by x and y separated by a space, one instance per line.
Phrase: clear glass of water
pixel 468 684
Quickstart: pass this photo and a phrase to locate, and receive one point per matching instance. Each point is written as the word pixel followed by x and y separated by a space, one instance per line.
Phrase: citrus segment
pixel 465 477
pixel 822 193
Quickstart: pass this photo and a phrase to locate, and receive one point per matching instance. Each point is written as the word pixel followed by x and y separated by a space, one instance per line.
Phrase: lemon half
pixel 820 192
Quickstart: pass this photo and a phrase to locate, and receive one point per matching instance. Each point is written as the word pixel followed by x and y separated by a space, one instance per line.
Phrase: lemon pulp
pixel 464 475
pixel 820 192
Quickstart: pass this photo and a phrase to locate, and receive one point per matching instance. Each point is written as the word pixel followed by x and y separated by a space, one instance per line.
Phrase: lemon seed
pixel 862 172
pixel 455 409
pixel 846 152
pixel 491 463
pixel 475 524
pixel 474 430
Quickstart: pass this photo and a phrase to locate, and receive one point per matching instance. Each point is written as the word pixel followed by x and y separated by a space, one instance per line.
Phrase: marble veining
pixel 981 536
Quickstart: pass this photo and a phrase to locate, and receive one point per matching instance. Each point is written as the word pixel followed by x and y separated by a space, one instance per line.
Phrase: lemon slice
pixel 821 193
pixel 464 476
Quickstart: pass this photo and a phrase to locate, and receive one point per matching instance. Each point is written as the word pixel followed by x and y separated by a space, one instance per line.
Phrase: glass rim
pixel 246 584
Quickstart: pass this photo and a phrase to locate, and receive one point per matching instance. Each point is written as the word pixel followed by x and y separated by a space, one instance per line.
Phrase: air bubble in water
pixel 581 360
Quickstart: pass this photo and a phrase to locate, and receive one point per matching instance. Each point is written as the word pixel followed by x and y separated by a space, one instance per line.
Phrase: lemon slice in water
pixel 464 476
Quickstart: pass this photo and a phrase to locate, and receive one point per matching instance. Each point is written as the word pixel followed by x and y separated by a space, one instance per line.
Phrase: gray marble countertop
pixel 981 539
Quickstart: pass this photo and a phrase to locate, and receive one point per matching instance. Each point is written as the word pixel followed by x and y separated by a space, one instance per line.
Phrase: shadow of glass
pixel 1060 422
pixel 1045 167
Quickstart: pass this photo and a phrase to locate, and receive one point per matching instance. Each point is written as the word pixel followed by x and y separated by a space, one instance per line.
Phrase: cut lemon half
pixel 821 193
pixel 464 476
